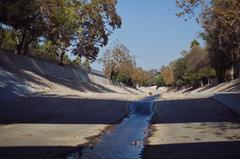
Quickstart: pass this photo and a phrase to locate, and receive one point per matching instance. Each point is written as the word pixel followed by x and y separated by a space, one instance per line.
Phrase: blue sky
pixel 152 32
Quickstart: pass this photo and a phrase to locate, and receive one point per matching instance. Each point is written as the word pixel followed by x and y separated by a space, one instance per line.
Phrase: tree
pixel 86 64
pixel 168 74
pixel 194 43
pixel 152 77
pixel 118 60
pixel 7 39
pixel 24 17
pixel 159 81
pixel 141 77
pixel 77 61
pixel 192 69
pixel 85 25
pixel 219 58
pixel 180 68
pixel 62 20
pixel 99 18
pixel 47 50
pixel 79 27
pixel 227 11
pixel 66 59
pixel 221 20
pixel 197 63
pixel 120 65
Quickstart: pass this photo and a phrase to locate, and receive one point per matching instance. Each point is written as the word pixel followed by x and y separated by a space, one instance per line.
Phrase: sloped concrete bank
pixel 230 100
pixel 49 127
pixel 48 68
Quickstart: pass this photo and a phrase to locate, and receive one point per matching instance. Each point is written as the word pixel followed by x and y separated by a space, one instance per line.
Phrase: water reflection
pixel 127 140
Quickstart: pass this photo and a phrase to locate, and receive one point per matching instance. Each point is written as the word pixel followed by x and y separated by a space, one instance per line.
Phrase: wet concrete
pixel 126 141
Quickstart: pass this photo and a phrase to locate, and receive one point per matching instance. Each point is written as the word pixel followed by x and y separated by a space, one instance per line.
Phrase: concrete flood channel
pixel 126 141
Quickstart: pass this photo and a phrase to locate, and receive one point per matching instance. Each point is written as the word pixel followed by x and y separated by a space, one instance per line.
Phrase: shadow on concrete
pixel 189 89
pixel 210 116
pixel 207 87
pixel 11 86
pixel 81 86
pixel 192 110
pixel 232 88
pixel 37 152
pixel 13 83
pixel 57 110
pixel 199 150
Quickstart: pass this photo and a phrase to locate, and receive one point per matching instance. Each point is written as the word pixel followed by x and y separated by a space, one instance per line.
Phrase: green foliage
pixel 118 60
pixel 141 77
pixel 86 64
pixel 24 19
pixel 121 77
pixel 7 39
pixel 120 65
pixel 99 18
pixel 194 43
pixel 159 80
pixel 66 59
pixel 47 50
pixel 167 73
pixel 197 66
pixel 220 20
pixel 77 61
pixel 179 70
pixel 79 27
pixel 193 69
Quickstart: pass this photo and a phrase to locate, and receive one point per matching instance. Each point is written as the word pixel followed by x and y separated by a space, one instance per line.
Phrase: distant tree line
pixel 192 69
pixel 52 28
pixel 216 62
pixel 219 59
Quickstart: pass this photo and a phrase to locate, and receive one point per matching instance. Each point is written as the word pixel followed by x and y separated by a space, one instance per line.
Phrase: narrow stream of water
pixel 126 141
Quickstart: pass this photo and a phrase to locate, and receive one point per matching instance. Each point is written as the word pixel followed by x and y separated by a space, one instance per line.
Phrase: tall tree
pixel 141 77
pixel 167 73
pixel 61 20
pixel 221 20
pixel 116 60
pixel 25 18
pixel 119 64
pixel 79 27
pixel 99 18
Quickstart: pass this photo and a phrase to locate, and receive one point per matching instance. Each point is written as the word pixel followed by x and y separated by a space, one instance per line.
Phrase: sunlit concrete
pixel 174 133
pixel 48 134
pixel 198 128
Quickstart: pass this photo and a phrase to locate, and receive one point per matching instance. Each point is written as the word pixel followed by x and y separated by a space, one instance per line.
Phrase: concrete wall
pixel 8 59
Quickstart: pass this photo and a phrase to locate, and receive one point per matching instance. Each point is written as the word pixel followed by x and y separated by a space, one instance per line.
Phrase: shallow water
pixel 126 141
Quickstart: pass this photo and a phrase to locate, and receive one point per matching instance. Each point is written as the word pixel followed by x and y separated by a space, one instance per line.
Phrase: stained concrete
pixel 49 127
pixel 193 128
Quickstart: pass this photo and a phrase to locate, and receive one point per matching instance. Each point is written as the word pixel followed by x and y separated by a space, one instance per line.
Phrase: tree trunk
pixel 26 49
pixel 220 75
pixel 27 43
pixel 236 71
pixel 232 73
pixel 20 45
pixel 19 48
pixel 201 83
pixel 61 58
